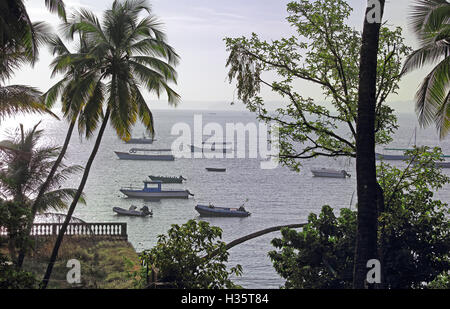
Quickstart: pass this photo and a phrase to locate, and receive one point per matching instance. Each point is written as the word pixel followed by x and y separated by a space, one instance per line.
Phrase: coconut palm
pixel 72 93
pixel 19 37
pixel 367 188
pixel 431 23
pixel 24 168
pixel 19 44
pixel 129 52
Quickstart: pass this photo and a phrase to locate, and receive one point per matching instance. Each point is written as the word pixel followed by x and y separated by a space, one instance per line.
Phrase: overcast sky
pixel 196 29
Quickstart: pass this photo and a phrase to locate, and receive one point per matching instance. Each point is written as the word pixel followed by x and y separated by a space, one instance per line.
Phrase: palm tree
pixel 24 168
pixel 367 188
pixel 19 43
pixel 73 93
pixel 129 52
pixel 430 20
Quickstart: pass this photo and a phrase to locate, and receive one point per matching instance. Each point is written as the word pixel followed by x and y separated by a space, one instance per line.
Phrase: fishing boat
pixel 165 179
pixel 133 155
pixel 402 157
pixel 132 211
pixel 330 173
pixel 210 148
pixel 441 164
pixel 213 211
pixel 391 157
pixel 142 140
pixel 215 169
pixel 151 192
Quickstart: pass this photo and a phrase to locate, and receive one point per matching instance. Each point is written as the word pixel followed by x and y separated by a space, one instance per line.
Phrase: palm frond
pixel 21 98
pixel 56 6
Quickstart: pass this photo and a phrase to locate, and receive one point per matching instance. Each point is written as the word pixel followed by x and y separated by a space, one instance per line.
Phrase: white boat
pixel 330 173
pixel 142 140
pixel 149 192
pixel 133 155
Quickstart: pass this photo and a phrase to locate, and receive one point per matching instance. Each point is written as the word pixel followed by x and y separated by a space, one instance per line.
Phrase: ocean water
pixel 274 196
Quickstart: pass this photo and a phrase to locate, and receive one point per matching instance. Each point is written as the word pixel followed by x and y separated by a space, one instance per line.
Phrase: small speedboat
pixel 329 173
pixel 166 179
pixel 213 211
pixel 215 169
pixel 132 211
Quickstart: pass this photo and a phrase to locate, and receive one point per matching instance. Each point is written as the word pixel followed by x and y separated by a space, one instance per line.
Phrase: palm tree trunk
pixel 366 239
pixel 74 202
pixel 44 188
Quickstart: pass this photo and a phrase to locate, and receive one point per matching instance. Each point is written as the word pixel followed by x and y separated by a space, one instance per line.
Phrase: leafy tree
pixel 191 256
pixel 74 92
pixel 325 52
pixel 413 234
pixel 430 22
pixel 128 52
pixel 24 168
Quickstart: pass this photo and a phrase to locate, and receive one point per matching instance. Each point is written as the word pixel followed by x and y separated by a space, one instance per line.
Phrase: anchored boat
pixel 213 211
pixel 152 192
pixel 215 169
pixel 142 140
pixel 165 179
pixel 133 155
pixel 330 173
pixel 132 211
pixel 207 147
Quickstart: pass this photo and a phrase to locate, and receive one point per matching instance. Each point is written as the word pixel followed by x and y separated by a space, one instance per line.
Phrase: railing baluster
pixel 73 229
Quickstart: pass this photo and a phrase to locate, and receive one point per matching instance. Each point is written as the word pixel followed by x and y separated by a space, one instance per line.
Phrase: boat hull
pixel 132 213
pixel 155 195
pixel 329 173
pixel 207 211
pixel 380 156
pixel 140 141
pixel 137 157
pixel 167 179
pixel 212 169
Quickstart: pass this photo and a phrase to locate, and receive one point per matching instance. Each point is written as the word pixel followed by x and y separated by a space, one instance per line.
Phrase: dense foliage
pixel 24 167
pixel 414 234
pixel 12 278
pixel 325 52
pixel 191 256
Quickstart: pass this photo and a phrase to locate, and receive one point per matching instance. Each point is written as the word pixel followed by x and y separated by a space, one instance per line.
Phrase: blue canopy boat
pixel 213 211
pixel 149 192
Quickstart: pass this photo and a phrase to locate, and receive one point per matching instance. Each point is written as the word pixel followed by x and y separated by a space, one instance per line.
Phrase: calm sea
pixel 275 196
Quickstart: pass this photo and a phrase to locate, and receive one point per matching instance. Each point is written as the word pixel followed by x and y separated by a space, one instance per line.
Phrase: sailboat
pixel 393 157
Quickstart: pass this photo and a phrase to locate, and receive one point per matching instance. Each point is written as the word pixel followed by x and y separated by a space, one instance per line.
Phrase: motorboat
pixel 213 211
pixel 133 154
pixel 150 191
pixel 330 173
pixel 132 211
pixel 167 179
